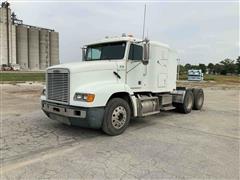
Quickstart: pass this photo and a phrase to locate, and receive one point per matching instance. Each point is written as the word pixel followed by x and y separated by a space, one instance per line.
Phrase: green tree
pixel 217 68
pixel 195 67
pixel 188 66
pixel 238 65
pixel 182 69
pixel 228 66
pixel 203 68
pixel 210 68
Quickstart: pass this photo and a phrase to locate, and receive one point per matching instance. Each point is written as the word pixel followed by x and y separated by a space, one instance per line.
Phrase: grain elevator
pixel 30 47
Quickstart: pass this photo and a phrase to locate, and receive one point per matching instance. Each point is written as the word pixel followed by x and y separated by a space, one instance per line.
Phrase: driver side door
pixel 135 67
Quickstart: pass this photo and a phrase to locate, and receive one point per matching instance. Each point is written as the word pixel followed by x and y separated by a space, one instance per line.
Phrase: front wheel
pixel 116 117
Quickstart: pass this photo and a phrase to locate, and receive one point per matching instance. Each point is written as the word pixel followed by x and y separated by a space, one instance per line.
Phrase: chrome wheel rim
pixel 119 117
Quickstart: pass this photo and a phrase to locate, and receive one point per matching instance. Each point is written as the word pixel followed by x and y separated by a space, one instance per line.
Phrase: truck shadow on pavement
pixel 76 132
pixel 36 135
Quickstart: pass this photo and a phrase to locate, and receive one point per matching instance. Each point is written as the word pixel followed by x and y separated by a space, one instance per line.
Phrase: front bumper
pixel 76 116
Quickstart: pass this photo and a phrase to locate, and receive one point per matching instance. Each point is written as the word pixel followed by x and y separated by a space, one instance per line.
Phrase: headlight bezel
pixel 84 97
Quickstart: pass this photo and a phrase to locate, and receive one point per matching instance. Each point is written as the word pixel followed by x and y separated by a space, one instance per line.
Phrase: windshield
pixel 113 50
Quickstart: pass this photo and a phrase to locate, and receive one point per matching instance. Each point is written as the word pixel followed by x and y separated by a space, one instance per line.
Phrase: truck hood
pixel 88 66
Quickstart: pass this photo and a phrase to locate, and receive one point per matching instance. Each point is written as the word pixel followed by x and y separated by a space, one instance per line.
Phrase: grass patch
pixel 183 77
pixel 21 76
pixel 226 79
pixel 221 79
pixel 40 77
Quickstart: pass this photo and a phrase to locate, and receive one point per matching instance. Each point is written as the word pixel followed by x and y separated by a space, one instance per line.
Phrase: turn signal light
pixel 90 97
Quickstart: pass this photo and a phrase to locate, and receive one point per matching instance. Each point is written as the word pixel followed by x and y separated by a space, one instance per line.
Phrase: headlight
pixel 84 97
pixel 44 92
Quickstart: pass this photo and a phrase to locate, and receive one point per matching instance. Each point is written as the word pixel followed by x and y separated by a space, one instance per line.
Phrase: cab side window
pixel 136 52
pixel 94 53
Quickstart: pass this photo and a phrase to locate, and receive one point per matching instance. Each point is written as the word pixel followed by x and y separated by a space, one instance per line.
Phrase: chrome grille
pixel 58 85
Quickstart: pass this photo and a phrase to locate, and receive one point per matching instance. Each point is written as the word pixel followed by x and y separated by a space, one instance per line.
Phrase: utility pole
pixel 178 68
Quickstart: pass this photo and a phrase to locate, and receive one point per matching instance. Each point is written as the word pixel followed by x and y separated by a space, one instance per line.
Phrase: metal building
pixel 31 47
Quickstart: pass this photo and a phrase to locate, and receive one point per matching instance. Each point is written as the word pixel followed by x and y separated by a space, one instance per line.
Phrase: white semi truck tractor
pixel 118 79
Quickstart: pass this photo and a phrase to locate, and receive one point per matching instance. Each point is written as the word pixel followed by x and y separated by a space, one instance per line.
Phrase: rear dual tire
pixel 193 99
pixel 198 99
pixel 187 105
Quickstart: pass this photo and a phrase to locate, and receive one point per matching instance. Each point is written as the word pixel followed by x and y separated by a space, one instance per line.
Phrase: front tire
pixel 116 117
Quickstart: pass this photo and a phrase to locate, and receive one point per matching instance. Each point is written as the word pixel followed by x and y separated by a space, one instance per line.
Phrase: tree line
pixel 224 67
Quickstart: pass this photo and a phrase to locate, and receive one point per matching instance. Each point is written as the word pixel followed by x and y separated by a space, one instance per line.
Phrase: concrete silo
pixel 44 53
pixel 54 48
pixel 32 47
pixel 13 46
pixel 22 46
pixel 5 29
pixel 1 40
pixel 33 52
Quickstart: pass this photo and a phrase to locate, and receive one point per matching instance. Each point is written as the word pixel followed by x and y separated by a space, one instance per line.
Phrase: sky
pixel 201 32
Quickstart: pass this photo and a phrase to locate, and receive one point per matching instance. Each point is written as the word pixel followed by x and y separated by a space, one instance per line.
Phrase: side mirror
pixel 84 49
pixel 145 60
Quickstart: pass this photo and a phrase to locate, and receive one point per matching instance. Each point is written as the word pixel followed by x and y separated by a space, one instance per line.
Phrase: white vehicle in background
pixel 119 78
pixel 195 75
pixel 10 67
pixel 16 67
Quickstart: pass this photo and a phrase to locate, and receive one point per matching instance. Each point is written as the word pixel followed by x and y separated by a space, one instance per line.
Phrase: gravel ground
pixel 203 144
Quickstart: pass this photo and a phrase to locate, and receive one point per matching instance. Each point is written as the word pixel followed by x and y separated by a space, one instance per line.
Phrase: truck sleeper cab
pixel 119 78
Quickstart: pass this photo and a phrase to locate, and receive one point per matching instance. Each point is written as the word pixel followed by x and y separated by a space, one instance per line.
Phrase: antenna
pixel 144 17
pixel 147 33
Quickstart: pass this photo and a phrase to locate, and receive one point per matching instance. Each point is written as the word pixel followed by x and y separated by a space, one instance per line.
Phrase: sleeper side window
pixel 135 52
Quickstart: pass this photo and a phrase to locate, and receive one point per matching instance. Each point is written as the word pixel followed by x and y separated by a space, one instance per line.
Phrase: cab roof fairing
pixel 129 39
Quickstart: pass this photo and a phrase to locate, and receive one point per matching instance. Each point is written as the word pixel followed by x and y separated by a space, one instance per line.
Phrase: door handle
pixel 116 74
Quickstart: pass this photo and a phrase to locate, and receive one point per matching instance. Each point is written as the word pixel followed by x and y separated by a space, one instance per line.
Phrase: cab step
pixel 168 108
pixel 151 113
